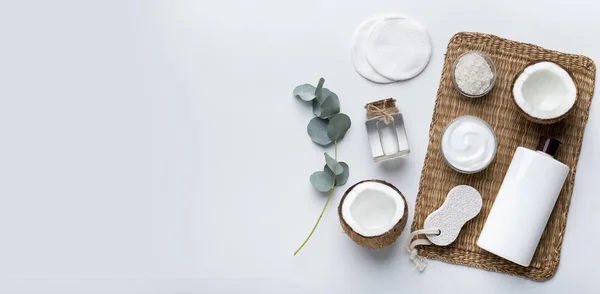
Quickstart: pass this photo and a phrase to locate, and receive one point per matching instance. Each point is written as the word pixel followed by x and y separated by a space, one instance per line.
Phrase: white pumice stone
pixel 462 204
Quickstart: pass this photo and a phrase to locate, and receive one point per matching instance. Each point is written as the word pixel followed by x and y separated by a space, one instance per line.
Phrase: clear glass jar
pixel 489 61
pixel 386 131
pixel 468 144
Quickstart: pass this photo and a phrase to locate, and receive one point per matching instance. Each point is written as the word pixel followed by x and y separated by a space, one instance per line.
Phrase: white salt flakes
pixel 473 74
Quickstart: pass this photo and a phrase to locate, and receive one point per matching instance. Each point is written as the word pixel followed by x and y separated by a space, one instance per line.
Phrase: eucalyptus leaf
pixel 319 89
pixel 317 130
pixel 333 165
pixel 322 181
pixel 324 93
pixel 329 125
pixel 328 107
pixel 338 126
pixel 305 92
pixel 342 178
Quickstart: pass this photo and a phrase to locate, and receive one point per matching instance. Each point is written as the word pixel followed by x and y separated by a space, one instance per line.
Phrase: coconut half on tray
pixel 544 92
pixel 373 213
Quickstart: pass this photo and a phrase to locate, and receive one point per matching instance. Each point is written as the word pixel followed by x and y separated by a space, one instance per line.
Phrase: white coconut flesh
pixel 372 209
pixel 545 91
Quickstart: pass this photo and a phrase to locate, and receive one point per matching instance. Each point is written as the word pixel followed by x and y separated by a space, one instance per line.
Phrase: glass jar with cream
pixel 468 144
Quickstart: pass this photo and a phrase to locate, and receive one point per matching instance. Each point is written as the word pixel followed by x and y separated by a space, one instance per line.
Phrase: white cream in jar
pixel 468 144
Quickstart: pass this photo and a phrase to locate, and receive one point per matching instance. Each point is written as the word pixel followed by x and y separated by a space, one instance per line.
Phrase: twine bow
pixel 387 118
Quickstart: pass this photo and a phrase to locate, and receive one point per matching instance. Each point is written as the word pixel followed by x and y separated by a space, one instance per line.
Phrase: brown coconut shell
pixel 535 119
pixel 376 242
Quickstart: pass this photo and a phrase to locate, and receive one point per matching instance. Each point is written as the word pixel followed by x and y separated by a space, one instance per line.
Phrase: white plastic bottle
pixel 524 203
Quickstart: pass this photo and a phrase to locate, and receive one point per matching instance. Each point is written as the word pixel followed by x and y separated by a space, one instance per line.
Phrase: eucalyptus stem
pixel 324 207
pixel 335 150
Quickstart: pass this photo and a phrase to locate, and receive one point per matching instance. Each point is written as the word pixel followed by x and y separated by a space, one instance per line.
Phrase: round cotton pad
pixel 398 48
pixel 359 53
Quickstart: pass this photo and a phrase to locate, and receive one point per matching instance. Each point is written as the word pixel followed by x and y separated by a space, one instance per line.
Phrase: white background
pixel 155 146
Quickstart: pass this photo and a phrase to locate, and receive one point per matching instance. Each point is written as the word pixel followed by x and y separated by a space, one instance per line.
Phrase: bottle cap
pixel 548 145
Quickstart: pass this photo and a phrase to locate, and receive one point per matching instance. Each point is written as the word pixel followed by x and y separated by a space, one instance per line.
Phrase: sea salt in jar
pixel 468 144
pixel 473 74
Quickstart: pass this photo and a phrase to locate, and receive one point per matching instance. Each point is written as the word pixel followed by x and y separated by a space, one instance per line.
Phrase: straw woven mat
pixel 512 130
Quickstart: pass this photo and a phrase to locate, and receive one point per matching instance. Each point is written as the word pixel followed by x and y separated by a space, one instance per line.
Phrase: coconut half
pixel 373 213
pixel 545 92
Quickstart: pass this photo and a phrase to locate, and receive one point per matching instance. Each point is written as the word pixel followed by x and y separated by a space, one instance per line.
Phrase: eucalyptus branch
pixel 327 127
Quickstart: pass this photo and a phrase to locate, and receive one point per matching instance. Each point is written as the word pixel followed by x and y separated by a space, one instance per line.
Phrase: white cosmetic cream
pixel 468 144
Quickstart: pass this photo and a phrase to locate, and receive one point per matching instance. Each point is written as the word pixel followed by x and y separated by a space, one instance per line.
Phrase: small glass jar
pixel 468 144
pixel 478 72
pixel 386 131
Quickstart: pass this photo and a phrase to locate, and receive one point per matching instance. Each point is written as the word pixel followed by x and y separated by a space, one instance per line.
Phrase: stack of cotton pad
pixel 390 49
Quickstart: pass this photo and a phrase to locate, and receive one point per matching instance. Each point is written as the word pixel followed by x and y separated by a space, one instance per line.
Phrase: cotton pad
pixel 398 48
pixel 359 53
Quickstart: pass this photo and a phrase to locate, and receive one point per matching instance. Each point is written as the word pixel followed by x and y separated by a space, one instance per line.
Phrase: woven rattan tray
pixel 512 130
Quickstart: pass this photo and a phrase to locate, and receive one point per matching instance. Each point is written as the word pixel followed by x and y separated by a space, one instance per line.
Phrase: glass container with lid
pixel 386 130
